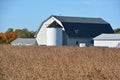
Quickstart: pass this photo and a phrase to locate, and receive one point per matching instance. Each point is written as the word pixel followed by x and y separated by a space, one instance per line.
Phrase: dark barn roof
pixel 76 27
pixel 80 19
pixel 86 29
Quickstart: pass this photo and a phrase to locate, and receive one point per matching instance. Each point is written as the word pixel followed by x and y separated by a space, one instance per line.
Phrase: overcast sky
pixel 29 14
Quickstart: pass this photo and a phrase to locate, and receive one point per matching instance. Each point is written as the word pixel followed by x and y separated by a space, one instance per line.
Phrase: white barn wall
pixel 72 41
pixel 65 37
pixel 42 34
pixel 106 43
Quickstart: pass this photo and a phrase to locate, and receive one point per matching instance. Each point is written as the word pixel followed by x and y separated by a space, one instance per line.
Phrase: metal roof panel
pixel 24 41
pixel 107 37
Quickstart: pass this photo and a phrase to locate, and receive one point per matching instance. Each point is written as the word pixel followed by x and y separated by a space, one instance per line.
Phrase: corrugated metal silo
pixel 54 35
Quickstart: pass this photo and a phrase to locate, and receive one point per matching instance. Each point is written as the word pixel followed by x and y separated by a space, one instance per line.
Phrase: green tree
pixel 9 30
pixel 117 30
pixel 24 33
pixel 2 40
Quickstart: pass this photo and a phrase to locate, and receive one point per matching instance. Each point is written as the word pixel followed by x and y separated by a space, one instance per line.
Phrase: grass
pixel 59 63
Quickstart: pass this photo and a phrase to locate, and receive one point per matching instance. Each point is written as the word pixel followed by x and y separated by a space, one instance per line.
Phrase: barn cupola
pixel 54 34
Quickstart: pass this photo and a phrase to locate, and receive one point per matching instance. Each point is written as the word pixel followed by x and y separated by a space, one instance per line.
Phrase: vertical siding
pixel 65 37
pixel 108 43
pixel 72 41
pixel 41 36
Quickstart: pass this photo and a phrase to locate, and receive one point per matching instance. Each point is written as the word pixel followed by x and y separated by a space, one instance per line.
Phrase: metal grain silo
pixel 54 34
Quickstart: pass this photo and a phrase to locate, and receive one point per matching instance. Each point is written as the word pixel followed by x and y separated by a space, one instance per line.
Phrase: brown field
pixel 59 63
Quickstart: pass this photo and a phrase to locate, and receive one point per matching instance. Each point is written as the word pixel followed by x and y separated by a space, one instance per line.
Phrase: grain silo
pixel 54 34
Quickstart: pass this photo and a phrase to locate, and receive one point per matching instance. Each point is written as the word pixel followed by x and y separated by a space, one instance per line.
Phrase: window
pixel 76 42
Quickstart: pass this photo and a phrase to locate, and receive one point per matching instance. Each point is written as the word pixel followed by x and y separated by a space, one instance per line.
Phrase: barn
pixel 107 40
pixel 71 31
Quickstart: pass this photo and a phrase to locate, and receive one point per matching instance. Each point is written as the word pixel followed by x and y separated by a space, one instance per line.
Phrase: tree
pixel 7 37
pixel 10 35
pixel 117 30
pixel 25 30
pixel 9 30
pixel 24 33
pixel 1 38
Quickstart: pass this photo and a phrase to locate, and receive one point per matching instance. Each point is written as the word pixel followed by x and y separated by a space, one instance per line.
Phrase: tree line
pixel 11 34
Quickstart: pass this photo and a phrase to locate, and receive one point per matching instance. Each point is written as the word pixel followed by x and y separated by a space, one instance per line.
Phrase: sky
pixel 19 14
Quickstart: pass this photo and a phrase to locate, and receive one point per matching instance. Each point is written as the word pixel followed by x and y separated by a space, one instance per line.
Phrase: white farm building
pixel 24 41
pixel 71 31
pixel 107 40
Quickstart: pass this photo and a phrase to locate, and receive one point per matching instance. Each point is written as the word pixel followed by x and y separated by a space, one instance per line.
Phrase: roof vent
pixel 76 31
